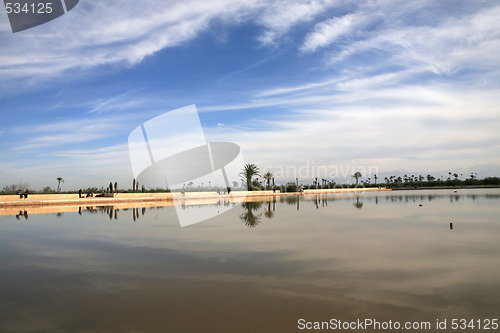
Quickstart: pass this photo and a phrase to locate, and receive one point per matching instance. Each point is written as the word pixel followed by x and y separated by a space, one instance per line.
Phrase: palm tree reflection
pixel 248 217
pixel 358 204
pixel 268 212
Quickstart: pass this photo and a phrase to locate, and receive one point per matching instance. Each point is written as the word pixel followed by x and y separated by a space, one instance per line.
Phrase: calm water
pixel 257 268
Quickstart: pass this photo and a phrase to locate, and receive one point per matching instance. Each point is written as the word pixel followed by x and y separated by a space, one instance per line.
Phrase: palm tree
pixel 268 176
pixel 249 171
pixel 357 175
pixel 59 181
pixel 375 177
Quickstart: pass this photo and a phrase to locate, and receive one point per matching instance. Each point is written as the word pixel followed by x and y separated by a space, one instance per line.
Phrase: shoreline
pixel 48 203
pixel 11 205
pixel 460 187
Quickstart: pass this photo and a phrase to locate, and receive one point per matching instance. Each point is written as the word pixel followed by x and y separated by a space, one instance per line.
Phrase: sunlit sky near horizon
pixel 411 85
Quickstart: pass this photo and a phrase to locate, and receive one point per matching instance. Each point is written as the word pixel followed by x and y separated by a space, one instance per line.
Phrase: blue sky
pixel 389 84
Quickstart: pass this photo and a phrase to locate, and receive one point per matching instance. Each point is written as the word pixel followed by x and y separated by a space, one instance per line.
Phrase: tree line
pixel 251 181
pixel 251 174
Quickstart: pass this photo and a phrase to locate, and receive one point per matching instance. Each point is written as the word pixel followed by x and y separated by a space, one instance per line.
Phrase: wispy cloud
pixel 63 132
pixel 280 16
pixel 117 103
pixel 304 87
pixel 96 33
pixel 330 31
pixel 468 41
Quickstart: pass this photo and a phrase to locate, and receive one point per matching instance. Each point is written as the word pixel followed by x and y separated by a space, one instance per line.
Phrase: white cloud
pixel 329 31
pixel 95 34
pixel 100 33
pixel 120 102
pixel 280 16
pixel 308 86
pixel 452 44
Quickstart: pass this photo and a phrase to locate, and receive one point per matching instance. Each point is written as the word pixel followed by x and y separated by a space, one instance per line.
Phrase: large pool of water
pixel 269 266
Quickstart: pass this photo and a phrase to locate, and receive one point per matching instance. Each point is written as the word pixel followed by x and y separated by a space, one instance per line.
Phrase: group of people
pixel 227 190
pixel 89 194
pixel 23 195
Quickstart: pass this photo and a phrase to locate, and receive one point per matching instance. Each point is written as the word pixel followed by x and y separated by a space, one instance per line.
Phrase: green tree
pixel 59 181
pixel 257 185
pixel 47 189
pixel 249 171
pixel 268 176
pixel 357 175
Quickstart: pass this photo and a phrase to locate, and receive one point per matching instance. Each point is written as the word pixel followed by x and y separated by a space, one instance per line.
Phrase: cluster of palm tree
pixel 250 171
pixel 318 184
pixel 453 179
